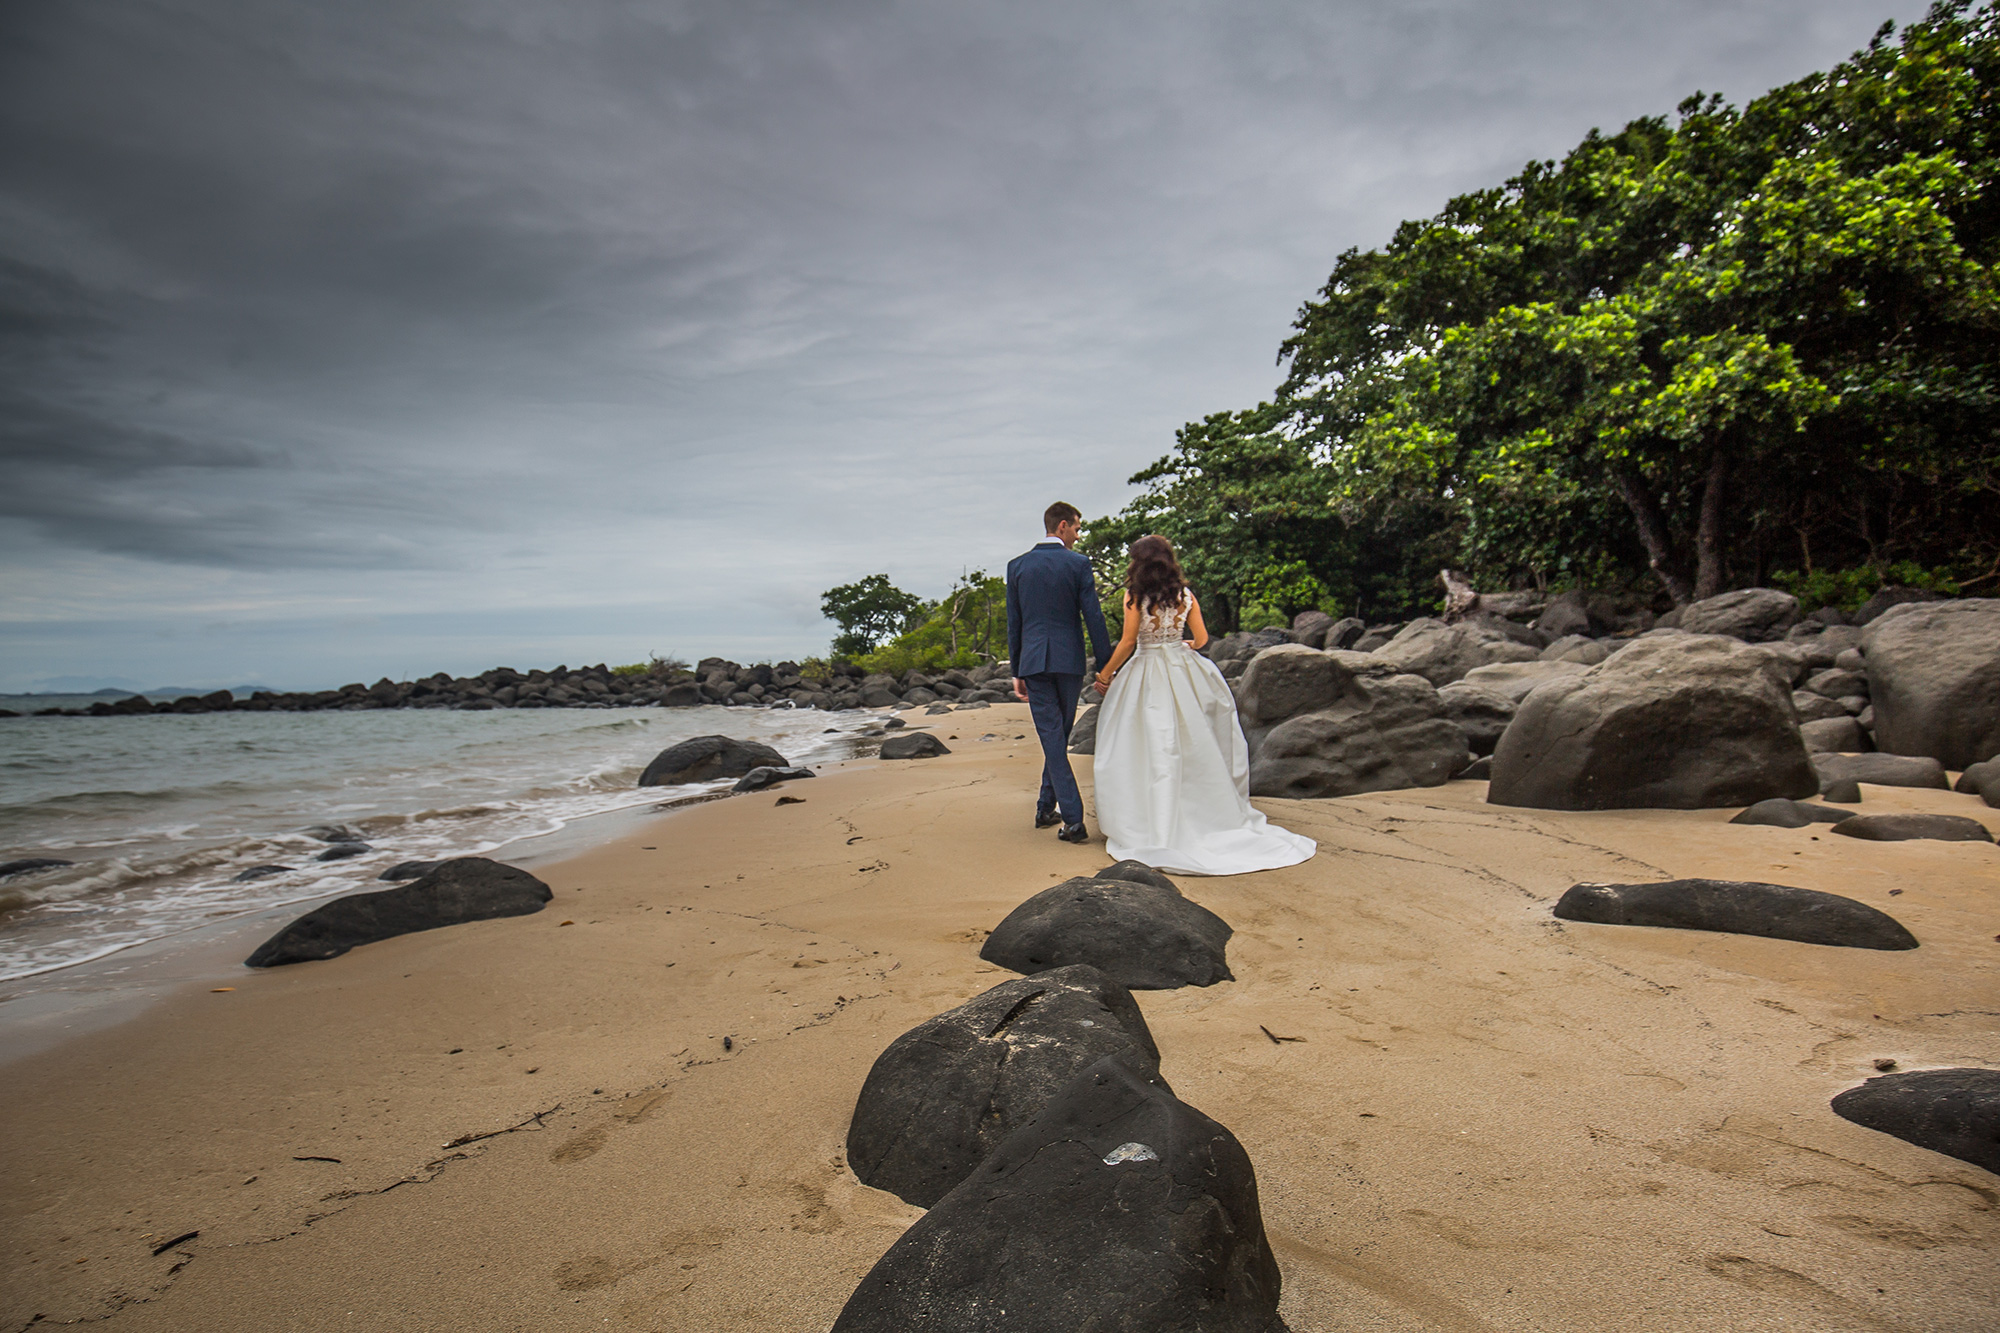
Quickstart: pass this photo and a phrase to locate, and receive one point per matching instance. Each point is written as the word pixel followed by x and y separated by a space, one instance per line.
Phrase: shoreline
pixel 526 1124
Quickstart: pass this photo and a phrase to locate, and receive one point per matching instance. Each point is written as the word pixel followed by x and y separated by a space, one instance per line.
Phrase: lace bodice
pixel 1163 624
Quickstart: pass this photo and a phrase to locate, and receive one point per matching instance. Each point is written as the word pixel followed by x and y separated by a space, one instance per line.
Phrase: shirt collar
pixel 1050 541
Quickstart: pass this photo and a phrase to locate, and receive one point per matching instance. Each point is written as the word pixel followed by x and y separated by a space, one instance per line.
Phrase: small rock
pixel 1905 828
pixel 1881 770
pixel 1141 935
pixel 28 864
pixel 466 888
pixel 341 851
pixel 1781 813
pixel 757 779
pixel 1774 911
pixel 916 745
pixel 1952 1111
pixel 258 872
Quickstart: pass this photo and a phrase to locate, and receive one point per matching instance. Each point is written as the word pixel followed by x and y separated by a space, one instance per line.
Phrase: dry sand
pixel 1491 1120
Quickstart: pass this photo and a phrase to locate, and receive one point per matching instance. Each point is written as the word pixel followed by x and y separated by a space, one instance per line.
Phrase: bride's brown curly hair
pixel 1154 578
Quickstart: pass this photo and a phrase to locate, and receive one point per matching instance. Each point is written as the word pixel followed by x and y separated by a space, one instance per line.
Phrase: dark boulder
pixel 946 1092
pixel 1575 648
pixel 1881 770
pixel 1891 595
pixel 403 870
pixel 1834 735
pixel 759 778
pixel 1481 714
pixel 466 888
pixel 1442 653
pixel 341 851
pixel 1781 813
pixel 683 694
pixel 1952 1111
pixel 258 872
pixel 1136 872
pixel 707 758
pixel 916 745
pixel 1310 627
pixel 1518 680
pixel 28 864
pixel 1578 613
pixel 1911 828
pixel 1755 615
pixel 1118 1209
pixel 334 833
pixel 1083 736
pixel 1141 935
pixel 1847 792
pixel 1976 778
pixel 1672 721
pixel 1934 679
pixel 1775 911
pixel 1365 726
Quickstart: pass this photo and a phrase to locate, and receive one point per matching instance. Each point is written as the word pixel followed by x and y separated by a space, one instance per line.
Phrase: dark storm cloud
pixel 583 296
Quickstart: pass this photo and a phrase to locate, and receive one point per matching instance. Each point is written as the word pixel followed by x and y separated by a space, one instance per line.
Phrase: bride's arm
pixel 1128 639
pixel 1200 639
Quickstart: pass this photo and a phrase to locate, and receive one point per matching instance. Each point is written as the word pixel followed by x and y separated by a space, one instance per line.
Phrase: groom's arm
pixel 1093 618
pixel 1014 635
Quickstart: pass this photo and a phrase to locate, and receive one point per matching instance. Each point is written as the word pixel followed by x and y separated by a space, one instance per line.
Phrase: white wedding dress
pixel 1172 770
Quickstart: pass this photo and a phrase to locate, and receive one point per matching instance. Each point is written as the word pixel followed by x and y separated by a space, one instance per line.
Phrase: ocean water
pixel 160 813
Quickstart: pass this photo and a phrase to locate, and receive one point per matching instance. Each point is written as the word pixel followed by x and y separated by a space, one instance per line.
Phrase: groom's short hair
pixel 1060 512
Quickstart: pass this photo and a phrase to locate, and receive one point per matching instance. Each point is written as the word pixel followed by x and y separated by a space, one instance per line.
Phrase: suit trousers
pixel 1052 697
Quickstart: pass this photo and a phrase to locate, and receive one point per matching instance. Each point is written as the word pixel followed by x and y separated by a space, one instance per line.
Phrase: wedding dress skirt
pixel 1172 772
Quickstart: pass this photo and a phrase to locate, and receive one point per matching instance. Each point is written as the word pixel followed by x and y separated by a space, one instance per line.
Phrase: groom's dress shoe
pixel 1073 833
pixel 1044 818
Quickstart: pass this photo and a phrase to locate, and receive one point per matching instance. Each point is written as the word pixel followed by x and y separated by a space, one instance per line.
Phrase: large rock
pixel 1883 770
pixel 1310 627
pixel 1383 732
pixel 1889 596
pixel 949 1090
pixel 465 888
pixel 1576 648
pixel 1118 1209
pixel 1578 613
pixel 1775 911
pixel 757 779
pixel 1952 1111
pixel 1518 680
pixel 1934 679
pixel 1673 721
pixel 1480 713
pixel 1975 779
pixel 1754 615
pixel 1911 827
pixel 1442 653
pixel 1143 936
pixel 707 758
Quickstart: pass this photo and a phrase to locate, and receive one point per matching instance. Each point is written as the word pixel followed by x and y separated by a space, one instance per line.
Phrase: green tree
pixel 965 627
pixel 1708 346
pixel 868 611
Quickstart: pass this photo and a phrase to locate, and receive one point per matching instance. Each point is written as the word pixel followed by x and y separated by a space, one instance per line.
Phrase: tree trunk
pixel 1460 597
pixel 1653 533
pixel 1709 571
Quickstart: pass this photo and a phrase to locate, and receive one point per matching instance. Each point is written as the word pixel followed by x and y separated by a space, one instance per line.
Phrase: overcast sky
pixel 362 339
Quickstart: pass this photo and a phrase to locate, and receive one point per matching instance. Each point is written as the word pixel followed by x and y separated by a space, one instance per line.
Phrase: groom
pixel 1050 597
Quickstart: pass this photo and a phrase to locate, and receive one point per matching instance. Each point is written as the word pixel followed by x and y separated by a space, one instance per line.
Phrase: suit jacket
pixel 1051 595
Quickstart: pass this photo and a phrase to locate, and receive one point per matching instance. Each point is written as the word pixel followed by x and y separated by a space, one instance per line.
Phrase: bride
pixel 1172 773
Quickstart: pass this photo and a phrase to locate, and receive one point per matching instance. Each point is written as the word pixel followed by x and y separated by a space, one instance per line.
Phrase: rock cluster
pixel 1729 701
pixel 1068 1187
pixel 713 680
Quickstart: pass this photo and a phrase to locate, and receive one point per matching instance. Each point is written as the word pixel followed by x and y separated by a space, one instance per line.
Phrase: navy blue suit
pixel 1051 596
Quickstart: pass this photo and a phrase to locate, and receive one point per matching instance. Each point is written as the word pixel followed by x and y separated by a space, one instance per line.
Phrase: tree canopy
pixel 1749 346
pixel 868 611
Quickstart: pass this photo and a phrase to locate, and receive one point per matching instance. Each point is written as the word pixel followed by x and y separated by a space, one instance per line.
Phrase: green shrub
pixel 1847 589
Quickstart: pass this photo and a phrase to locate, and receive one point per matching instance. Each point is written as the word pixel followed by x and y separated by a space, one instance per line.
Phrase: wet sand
pixel 1492 1121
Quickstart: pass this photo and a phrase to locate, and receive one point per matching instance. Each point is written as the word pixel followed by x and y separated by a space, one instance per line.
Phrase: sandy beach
pixel 628 1111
